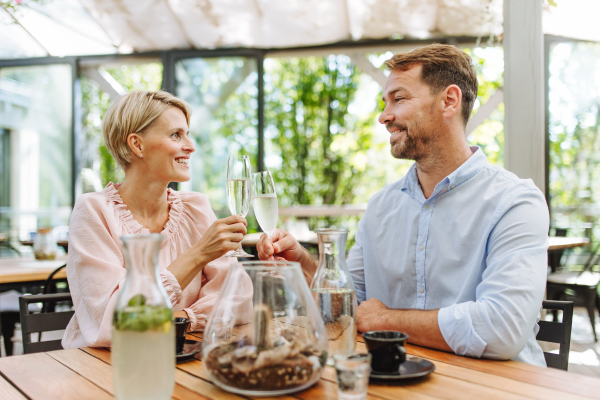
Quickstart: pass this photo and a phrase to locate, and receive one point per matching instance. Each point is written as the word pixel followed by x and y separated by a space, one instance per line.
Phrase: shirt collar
pixel 466 171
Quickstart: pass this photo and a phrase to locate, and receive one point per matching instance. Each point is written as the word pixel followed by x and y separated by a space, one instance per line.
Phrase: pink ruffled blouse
pixel 96 265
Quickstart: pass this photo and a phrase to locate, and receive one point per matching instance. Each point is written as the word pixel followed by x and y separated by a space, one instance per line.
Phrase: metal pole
pixel 261 110
pixel 76 115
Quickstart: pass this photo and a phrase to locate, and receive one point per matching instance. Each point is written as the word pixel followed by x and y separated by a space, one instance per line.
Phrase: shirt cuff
pixel 171 286
pixel 457 329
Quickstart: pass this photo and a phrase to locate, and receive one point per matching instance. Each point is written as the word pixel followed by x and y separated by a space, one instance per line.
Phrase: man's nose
pixel 385 116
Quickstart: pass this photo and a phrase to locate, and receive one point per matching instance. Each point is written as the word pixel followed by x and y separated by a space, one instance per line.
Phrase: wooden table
pixel 562 243
pixel 86 374
pixel 18 271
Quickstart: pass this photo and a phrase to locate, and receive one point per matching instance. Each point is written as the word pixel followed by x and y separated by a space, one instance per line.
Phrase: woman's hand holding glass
pixel 222 236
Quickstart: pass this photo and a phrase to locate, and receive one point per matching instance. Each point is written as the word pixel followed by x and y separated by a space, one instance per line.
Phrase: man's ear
pixel 135 143
pixel 452 101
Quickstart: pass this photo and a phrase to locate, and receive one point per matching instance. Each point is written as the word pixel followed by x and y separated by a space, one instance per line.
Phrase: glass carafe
pixel 44 245
pixel 143 338
pixel 270 341
pixel 334 292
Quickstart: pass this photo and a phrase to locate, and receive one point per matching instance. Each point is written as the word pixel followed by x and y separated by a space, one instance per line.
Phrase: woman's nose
pixel 189 145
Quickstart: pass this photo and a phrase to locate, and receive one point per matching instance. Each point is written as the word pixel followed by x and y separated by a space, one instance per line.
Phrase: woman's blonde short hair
pixel 134 113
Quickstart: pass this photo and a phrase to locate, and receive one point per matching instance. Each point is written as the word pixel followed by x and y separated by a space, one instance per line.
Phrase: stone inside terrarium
pixel 276 359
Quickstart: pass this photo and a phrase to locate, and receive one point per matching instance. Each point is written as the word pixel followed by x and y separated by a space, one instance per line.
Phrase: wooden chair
pixel 43 322
pixel 557 332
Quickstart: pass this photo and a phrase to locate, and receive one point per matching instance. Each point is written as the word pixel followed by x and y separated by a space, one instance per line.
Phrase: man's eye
pixel 399 98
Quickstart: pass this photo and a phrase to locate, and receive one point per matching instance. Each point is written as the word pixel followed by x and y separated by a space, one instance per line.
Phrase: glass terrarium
pixel 272 344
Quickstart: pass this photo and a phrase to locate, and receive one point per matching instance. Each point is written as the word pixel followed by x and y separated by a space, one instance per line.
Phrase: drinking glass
pixel 238 192
pixel 353 376
pixel 264 200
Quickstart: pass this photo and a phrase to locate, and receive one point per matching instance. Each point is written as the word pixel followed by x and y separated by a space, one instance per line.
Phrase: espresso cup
pixel 387 350
pixel 181 328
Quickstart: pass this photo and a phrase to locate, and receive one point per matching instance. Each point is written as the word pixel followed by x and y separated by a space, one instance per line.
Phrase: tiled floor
pixel 584 357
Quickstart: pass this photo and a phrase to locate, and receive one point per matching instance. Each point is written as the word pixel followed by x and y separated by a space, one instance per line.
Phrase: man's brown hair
pixel 442 65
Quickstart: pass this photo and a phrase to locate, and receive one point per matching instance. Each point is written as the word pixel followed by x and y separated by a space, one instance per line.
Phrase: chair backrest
pixel 43 322
pixel 557 332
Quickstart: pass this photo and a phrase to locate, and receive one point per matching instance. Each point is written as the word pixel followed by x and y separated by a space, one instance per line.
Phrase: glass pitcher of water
pixel 143 338
pixel 334 292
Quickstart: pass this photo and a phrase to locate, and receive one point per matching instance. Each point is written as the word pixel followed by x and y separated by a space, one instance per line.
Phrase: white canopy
pixel 83 27
pixel 79 27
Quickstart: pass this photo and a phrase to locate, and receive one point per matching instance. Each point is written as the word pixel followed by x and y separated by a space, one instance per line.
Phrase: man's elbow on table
pixel 472 335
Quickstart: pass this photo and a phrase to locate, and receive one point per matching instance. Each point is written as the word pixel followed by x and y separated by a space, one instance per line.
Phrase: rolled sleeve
pixel 456 326
pixel 171 286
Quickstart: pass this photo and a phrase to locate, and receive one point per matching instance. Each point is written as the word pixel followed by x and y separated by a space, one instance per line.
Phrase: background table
pixel 16 272
pixel 86 374
pixel 562 243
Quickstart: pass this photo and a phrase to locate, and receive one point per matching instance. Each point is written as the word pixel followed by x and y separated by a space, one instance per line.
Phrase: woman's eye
pixel 175 135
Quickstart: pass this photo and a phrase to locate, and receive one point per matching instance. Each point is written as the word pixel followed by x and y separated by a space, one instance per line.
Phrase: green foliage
pixel 489 136
pixel 319 143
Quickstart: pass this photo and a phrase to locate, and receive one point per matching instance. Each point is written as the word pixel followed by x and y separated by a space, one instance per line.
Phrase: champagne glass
pixel 238 192
pixel 264 200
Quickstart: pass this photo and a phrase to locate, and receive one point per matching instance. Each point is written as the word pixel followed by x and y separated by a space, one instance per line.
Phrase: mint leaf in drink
pixel 143 317
pixel 137 300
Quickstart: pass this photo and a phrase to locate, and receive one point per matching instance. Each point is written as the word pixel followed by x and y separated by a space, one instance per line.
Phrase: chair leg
pixel 8 331
pixel 590 297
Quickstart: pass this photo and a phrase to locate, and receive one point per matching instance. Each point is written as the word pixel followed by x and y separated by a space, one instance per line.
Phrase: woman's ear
pixel 135 143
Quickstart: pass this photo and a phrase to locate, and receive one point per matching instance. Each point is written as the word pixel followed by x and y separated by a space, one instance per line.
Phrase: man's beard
pixel 413 144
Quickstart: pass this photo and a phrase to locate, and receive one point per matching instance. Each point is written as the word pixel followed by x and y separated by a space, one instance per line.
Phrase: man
pixel 454 254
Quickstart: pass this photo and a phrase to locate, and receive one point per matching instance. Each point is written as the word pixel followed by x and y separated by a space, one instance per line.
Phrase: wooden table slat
pixel 9 392
pixel 539 376
pixel 40 376
pixel 86 365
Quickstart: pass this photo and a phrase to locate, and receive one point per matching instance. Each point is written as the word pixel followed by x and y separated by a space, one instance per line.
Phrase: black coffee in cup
pixel 181 328
pixel 387 350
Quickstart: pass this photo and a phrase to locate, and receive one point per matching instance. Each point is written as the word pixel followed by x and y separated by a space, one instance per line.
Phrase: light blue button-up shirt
pixel 476 249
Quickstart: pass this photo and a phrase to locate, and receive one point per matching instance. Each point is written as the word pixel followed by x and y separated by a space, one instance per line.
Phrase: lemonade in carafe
pixel 143 338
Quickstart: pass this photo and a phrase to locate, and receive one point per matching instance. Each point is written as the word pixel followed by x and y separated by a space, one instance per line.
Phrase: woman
pixel 147 135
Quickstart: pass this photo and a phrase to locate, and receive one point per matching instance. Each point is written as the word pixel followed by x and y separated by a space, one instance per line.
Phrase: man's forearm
pixel 421 325
pixel 309 266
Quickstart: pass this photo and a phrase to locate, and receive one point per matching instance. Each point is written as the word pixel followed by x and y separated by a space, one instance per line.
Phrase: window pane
pixel 574 141
pixel 223 95
pixel 35 117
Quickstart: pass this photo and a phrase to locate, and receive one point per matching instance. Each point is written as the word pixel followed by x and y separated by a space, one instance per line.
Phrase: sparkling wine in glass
pixel 264 200
pixel 238 192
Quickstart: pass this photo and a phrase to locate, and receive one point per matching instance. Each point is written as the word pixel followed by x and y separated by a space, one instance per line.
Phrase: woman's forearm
pixel 187 266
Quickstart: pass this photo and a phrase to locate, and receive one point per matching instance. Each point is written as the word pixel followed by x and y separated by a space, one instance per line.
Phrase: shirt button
pixel 421 248
pixel 421 290
pixel 427 207
pixel 451 187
